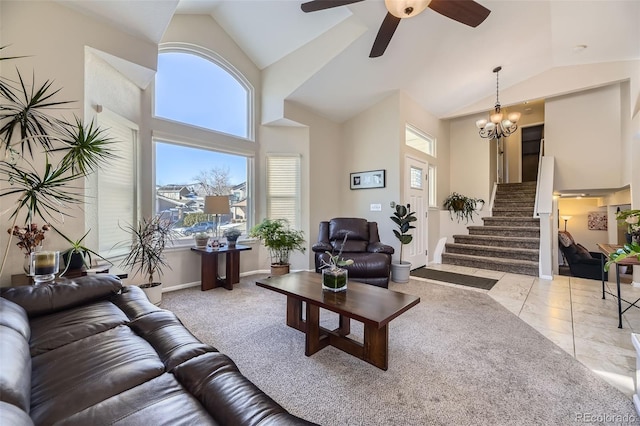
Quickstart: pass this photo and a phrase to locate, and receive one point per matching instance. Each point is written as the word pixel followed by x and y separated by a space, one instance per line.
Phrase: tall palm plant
pixel 27 126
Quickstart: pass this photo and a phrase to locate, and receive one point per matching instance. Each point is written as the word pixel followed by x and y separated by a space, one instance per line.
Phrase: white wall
pixel 583 133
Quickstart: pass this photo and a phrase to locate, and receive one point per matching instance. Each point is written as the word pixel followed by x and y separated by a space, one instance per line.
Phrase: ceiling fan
pixel 464 11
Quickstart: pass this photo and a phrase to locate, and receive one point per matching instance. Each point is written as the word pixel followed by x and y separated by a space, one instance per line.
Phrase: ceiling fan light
pixel 514 117
pixel 406 8
pixel 481 123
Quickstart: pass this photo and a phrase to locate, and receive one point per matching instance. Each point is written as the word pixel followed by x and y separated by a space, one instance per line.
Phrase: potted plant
pixel 334 277
pixel 280 241
pixel 232 235
pixel 76 256
pixel 462 207
pixel 201 239
pixel 402 217
pixel 630 218
pixel 72 152
pixel 146 256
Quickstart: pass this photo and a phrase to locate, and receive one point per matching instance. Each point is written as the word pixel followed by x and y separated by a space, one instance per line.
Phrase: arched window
pixel 198 89
pixel 195 87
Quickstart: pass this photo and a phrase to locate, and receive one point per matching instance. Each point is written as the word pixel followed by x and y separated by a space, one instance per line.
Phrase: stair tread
pixel 504 227
pixel 493 248
pixel 505 238
pixel 499 260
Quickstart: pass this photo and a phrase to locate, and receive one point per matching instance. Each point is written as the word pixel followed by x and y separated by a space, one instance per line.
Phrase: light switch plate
pixel 376 207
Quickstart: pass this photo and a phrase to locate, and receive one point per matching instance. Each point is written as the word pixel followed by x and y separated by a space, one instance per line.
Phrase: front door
pixel 416 195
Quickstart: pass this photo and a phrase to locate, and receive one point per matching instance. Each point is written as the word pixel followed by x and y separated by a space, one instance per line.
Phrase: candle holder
pixel 44 265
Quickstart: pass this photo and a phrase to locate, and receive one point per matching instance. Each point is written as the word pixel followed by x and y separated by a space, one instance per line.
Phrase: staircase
pixel 509 241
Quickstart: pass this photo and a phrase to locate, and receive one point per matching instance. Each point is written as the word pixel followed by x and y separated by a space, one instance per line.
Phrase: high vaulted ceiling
pixel 445 66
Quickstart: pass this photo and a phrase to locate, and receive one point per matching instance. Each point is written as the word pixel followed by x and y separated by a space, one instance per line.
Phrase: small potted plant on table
pixel 201 239
pixel 334 277
pixel 232 234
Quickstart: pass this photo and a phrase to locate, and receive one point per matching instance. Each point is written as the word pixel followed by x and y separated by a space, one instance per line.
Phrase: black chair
pixel 371 258
pixel 582 262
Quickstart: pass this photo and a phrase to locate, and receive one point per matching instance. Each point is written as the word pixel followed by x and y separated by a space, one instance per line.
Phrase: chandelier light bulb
pixel 514 117
pixel 489 127
pixel 481 123
pixel 496 117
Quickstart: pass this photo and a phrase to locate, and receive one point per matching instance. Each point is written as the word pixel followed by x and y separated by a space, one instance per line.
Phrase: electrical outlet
pixel 376 207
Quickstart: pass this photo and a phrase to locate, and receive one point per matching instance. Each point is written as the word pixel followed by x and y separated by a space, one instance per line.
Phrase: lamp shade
pixel 216 204
pixel 566 217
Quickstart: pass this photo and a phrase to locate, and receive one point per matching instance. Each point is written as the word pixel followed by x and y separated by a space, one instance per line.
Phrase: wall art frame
pixel 367 180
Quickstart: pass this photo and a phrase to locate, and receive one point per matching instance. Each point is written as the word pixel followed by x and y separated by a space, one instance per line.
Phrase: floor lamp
pixel 566 219
pixel 217 205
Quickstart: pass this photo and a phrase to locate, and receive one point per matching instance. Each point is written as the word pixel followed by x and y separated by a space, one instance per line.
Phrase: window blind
pixel 283 188
pixel 117 183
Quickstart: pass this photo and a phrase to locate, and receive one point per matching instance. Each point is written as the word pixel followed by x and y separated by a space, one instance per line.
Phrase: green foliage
pixel 193 218
pixel 77 247
pixel 232 234
pixel 403 218
pixel 47 189
pixel 279 239
pixel 628 250
pixel 149 239
pixel 337 261
pixel 461 206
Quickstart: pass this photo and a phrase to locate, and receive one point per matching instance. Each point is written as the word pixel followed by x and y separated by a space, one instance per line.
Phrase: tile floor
pixel 571 312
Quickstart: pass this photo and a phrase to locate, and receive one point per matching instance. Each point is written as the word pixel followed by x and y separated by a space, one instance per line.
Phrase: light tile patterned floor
pixel 571 312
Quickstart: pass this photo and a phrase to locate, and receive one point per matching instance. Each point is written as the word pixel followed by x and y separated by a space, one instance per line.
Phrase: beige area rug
pixel 457 358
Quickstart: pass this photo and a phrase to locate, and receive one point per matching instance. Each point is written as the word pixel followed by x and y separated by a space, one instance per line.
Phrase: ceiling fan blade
pixel 315 5
pixel 464 11
pixel 385 33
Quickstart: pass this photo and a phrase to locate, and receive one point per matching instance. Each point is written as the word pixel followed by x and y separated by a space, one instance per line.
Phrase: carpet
pixel 457 358
pixel 454 278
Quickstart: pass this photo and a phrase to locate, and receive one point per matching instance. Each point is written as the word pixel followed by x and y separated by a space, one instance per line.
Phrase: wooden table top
pixel 222 249
pixel 366 303
pixel 607 249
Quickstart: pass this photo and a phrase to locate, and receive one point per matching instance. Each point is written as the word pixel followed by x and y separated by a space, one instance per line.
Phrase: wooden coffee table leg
pixel 314 340
pixel 344 326
pixel 376 344
pixel 294 314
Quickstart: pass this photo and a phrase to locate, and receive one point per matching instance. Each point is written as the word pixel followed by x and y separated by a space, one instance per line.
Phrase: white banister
pixel 544 210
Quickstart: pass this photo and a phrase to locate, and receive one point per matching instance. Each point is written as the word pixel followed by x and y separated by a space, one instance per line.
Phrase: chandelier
pixel 496 127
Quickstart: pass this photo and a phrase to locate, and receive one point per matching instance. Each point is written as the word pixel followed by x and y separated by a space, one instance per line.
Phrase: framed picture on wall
pixel 597 221
pixel 366 180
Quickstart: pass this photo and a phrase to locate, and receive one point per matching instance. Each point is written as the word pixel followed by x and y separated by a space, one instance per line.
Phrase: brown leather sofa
pixel 371 258
pixel 582 262
pixel 91 351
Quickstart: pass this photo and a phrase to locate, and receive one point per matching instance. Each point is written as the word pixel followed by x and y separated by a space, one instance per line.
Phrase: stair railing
pixel 493 198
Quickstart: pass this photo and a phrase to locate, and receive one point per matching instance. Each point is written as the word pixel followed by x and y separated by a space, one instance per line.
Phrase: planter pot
pixel 232 242
pixel 279 269
pixel 153 292
pixel 73 262
pixel 334 279
pixel 400 272
pixel 201 242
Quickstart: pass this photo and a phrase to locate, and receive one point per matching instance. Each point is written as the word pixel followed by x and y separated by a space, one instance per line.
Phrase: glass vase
pixel 44 265
pixel 334 279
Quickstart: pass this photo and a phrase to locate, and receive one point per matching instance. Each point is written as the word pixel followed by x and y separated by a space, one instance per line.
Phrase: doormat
pixel 454 278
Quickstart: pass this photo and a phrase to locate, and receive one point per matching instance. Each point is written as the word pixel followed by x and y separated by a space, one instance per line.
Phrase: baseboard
pixel 180 286
pixel 242 274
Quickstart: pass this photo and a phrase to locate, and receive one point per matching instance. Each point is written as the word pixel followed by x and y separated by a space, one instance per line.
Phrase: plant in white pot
pixel 280 240
pixel 402 217
pixel 146 256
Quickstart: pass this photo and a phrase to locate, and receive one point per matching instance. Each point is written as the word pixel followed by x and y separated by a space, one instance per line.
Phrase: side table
pixel 209 266
pixel 607 249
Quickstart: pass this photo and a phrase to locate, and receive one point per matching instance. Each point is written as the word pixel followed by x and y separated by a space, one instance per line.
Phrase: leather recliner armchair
pixel 582 262
pixel 371 258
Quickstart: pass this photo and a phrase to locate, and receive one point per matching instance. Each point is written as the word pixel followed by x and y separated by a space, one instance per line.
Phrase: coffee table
pixel 374 306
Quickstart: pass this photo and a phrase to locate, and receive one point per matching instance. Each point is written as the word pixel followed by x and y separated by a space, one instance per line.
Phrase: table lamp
pixel 565 218
pixel 217 205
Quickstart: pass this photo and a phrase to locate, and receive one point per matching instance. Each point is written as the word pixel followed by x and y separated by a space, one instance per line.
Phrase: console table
pixel 607 249
pixel 209 266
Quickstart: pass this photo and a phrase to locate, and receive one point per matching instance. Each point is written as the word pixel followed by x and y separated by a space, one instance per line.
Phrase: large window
pixel 196 90
pixel 186 175
pixel 194 87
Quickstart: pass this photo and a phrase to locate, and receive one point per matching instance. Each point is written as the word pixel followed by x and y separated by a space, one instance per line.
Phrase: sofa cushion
pixel 350 246
pixel 48 298
pixel 15 374
pixel 171 340
pixel 61 328
pixel 76 376
pixel 12 415
pixel 161 400
pixel 356 228
pixel 565 238
pixel 133 302
pixel 582 252
pixel 14 316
